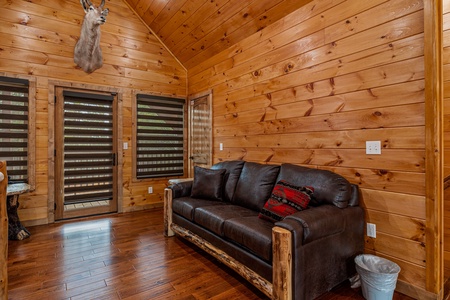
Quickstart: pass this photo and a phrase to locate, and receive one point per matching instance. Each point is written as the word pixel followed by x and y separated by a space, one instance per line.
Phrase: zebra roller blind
pixel 89 155
pixel 160 132
pixel 14 127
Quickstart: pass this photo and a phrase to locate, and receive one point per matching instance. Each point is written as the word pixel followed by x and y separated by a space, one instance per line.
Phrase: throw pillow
pixel 208 183
pixel 285 200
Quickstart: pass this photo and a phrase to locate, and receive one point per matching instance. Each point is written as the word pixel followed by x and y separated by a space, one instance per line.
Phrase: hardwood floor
pixel 124 256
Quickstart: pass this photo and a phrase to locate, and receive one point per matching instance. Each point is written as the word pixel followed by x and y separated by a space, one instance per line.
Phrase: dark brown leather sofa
pixel 300 257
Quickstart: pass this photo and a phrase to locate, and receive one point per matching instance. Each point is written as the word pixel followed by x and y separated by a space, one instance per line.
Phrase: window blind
pixel 88 147
pixel 14 127
pixel 160 133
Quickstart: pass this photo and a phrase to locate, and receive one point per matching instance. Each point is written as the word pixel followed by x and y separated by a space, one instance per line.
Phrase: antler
pixel 87 3
pixel 83 4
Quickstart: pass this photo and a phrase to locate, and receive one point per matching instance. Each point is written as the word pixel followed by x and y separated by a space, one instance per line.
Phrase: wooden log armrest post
pixel 282 263
pixel 4 233
pixel 251 276
pixel 168 212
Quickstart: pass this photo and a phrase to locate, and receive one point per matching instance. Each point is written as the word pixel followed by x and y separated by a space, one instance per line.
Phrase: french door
pixel 85 153
pixel 200 131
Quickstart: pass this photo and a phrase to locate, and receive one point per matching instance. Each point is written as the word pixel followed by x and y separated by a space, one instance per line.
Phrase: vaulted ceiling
pixel 196 30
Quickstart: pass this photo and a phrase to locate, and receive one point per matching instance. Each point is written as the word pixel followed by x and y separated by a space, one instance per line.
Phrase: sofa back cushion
pixel 354 200
pixel 233 171
pixel 255 185
pixel 329 187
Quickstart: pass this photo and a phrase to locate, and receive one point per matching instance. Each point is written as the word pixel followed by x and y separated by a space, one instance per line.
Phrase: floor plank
pixel 124 256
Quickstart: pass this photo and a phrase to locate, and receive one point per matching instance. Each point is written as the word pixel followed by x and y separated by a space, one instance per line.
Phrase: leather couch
pixel 301 256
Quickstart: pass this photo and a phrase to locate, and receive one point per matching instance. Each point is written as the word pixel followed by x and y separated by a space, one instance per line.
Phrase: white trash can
pixel 378 276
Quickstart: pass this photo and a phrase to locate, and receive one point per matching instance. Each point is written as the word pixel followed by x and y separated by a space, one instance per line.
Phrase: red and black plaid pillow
pixel 285 200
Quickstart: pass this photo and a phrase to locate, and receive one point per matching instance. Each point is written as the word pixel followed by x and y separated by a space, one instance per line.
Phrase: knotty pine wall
pixel 37 39
pixel 312 88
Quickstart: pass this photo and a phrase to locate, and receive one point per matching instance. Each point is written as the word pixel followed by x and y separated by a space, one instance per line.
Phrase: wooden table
pixel 16 231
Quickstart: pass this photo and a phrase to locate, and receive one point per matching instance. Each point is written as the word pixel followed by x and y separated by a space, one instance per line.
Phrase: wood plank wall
pixel 312 88
pixel 37 39
pixel 446 61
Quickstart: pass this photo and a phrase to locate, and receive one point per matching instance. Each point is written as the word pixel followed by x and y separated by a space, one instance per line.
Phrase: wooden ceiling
pixel 196 30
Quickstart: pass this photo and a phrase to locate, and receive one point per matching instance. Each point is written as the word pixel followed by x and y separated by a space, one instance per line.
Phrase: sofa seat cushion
pixel 214 217
pixel 253 233
pixel 185 206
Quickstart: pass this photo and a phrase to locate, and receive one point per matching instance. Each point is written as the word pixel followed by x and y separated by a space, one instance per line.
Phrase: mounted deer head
pixel 87 54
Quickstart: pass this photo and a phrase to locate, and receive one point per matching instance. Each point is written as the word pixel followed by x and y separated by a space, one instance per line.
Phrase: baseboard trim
pixel 415 292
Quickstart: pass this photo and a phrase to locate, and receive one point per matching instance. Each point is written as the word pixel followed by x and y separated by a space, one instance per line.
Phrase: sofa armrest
pixel 325 240
pixel 314 223
pixel 181 189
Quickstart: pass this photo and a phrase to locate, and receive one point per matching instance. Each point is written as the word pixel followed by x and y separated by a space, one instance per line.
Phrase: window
pixel 15 145
pixel 159 136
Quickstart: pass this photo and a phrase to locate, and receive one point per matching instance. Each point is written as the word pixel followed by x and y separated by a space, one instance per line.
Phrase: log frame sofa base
pixel 281 288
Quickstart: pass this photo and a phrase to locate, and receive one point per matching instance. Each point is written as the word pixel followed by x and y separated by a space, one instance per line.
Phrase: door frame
pixel 53 85
pixel 191 100
pixel 433 60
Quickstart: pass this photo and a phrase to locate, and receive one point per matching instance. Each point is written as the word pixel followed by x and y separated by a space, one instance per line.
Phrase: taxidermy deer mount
pixel 87 54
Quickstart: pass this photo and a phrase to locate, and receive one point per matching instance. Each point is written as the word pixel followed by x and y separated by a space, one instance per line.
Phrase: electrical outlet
pixel 221 146
pixel 373 147
pixel 150 190
pixel 371 230
pixel 125 146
